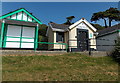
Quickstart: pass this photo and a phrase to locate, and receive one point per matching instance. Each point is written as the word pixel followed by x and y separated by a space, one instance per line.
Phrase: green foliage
pixel 97 26
pixel 116 53
pixel 99 15
pixel 112 14
pixel 42 30
pixel 42 37
pixel 43 46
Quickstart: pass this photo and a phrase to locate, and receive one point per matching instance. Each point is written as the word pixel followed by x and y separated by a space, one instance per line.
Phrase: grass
pixel 67 67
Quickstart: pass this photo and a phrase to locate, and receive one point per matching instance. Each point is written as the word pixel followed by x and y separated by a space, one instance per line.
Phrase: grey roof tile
pixel 109 29
pixel 60 26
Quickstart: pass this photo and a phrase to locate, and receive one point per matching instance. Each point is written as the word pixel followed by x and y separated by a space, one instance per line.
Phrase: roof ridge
pixel 111 27
pixel 12 11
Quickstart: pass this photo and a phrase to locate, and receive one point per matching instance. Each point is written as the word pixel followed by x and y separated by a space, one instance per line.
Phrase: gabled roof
pixel 59 27
pixel 20 10
pixel 64 27
pixel 109 30
pixel 84 21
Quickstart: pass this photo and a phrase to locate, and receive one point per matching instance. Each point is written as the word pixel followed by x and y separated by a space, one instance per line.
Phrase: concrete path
pixel 30 52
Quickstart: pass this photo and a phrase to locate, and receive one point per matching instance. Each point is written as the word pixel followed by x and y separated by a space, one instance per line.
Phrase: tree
pixel 116 53
pixel 112 14
pixel 42 37
pixel 97 26
pixel 69 20
pixel 42 30
pixel 99 15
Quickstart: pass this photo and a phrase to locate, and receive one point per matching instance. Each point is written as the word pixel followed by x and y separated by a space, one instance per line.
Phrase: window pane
pixel 59 36
pixel 14 31
pixel 28 32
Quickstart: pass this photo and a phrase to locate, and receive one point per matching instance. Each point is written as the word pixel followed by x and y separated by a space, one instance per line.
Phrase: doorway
pixel 82 40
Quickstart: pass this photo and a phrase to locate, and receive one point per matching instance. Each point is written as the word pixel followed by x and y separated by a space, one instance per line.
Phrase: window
pixel 91 35
pixel 59 37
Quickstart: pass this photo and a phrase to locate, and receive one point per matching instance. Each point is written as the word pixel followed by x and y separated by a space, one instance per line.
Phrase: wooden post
pixel 89 48
pixel 2 32
pixel 36 39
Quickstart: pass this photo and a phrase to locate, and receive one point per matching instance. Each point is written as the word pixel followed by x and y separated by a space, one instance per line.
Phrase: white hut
pixel 78 36
pixel 19 29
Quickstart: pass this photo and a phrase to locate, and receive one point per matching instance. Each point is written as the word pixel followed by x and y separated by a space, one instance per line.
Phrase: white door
pixel 28 36
pixel 13 34
pixel 18 35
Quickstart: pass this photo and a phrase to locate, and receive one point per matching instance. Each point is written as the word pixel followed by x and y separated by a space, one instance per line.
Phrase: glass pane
pixel 28 32
pixel 14 31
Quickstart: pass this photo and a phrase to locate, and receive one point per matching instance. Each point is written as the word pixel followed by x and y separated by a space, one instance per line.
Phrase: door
pixel 28 34
pixel 13 36
pixel 82 39
pixel 20 37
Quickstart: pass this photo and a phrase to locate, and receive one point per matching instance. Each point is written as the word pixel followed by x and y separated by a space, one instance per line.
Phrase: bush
pixel 43 37
pixel 116 53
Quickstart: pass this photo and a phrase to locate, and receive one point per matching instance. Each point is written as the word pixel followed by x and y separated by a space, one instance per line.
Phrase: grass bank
pixel 67 67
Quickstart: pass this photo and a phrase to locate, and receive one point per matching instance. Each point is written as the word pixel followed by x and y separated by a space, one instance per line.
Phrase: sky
pixel 58 11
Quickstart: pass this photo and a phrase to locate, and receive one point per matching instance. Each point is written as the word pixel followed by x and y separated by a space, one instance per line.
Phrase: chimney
pixel 83 18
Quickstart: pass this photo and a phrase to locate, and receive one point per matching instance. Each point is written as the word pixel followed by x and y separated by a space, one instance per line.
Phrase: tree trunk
pixel 110 22
pixel 105 23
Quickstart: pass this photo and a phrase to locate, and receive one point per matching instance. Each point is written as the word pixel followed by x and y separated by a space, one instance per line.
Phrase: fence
pixel 43 45
pixel 91 45
pixel 51 46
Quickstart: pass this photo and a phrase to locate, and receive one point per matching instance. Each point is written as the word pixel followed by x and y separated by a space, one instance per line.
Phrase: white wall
pixel 25 16
pixel 13 16
pixel 50 38
pixel 107 40
pixel 21 16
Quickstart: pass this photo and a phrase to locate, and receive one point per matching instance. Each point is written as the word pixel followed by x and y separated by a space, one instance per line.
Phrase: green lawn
pixel 67 67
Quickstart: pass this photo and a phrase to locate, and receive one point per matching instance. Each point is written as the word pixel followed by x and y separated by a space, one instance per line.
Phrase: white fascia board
pixel 75 24
pixel 93 28
pixel 60 30
pixel 84 21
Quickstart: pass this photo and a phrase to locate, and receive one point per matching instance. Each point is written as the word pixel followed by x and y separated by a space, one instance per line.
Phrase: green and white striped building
pixel 19 29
